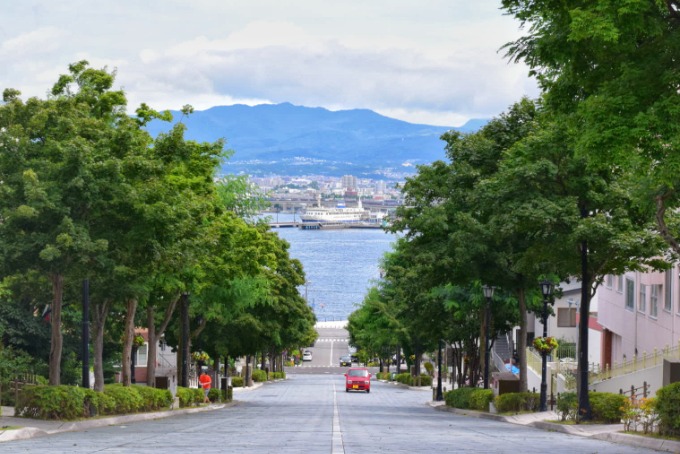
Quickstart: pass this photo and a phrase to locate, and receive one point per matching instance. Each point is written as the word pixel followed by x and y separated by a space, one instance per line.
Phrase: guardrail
pixel 637 363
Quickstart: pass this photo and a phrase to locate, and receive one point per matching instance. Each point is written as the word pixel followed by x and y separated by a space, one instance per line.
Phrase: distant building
pixel 349 182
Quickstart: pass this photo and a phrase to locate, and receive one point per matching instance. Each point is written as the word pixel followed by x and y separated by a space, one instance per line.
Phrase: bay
pixel 340 265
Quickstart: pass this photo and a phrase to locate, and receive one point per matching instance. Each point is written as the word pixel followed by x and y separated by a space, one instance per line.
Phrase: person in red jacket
pixel 205 382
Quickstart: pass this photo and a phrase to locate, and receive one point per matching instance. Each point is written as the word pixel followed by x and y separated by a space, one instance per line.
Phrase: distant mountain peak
pixel 271 138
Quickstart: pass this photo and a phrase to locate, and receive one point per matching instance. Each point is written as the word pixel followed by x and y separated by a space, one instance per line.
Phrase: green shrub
pixel 278 375
pixel 459 398
pixel 73 402
pixel 425 380
pixel 429 367
pixel 214 395
pixel 668 409
pixel 382 375
pixel 480 399
pixel 259 375
pixel 52 402
pixel 607 407
pixel 97 403
pixel 517 402
pixel 154 399
pixel 236 381
pixel 404 378
pixel 127 398
pixel 567 406
pixel 189 396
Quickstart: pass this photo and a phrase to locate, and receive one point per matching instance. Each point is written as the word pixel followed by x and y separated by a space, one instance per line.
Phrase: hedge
pixel 480 399
pixel 73 402
pixel 407 379
pixel 605 407
pixel 668 409
pixel 189 396
pixel 127 398
pixel 259 375
pixel 469 398
pixel 517 402
pixel 459 398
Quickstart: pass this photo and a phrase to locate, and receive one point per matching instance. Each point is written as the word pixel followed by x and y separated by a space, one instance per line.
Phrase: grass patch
pixel 651 435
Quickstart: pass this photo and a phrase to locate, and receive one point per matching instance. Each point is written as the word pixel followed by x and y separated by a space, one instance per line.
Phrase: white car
pixel 307 356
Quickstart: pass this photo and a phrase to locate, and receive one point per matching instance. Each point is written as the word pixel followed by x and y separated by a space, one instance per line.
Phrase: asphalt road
pixel 328 348
pixel 314 414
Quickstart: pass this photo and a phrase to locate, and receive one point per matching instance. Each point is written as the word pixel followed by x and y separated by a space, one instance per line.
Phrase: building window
pixel 642 300
pixel 609 282
pixel 566 317
pixel 619 284
pixel 654 300
pixel 630 294
pixel 142 353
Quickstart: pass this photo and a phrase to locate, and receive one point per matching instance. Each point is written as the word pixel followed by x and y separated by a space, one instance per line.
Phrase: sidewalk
pixel 541 420
pixel 15 428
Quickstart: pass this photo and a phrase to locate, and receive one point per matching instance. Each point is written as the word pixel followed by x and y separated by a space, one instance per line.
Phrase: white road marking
pixel 331 360
pixel 337 446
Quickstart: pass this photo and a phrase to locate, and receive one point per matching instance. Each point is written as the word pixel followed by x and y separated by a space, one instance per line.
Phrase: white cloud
pixel 32 44
pixel 431 62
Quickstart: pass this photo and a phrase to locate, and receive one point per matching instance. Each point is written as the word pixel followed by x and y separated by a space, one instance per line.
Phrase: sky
pixel 436 62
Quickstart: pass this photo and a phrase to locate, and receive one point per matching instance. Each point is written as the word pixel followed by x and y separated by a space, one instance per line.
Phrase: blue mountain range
pixel 284 139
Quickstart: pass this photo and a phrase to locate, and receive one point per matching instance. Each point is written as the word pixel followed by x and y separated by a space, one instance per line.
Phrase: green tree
pixel 610 73
pixel 48 149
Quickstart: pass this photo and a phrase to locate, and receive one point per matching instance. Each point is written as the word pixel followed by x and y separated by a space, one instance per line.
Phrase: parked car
pixel 307 355
pixel 358 379
pixel 345 361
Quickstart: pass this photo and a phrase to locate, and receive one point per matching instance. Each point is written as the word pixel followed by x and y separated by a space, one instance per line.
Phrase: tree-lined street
pixel 314 414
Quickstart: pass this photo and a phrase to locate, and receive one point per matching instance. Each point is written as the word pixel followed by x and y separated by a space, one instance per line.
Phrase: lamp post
pixel 546 290
pixel 488 294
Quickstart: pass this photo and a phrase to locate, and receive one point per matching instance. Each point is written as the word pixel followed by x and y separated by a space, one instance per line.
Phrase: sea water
pixel 340 265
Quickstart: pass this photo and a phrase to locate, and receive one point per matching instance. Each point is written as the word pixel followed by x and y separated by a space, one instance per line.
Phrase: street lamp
pixel 546 290
pixel 488 294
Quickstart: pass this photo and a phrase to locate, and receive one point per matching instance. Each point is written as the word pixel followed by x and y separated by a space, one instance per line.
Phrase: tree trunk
pixel 248 376
pixel 398 356
pixel 585 412
pixel 128 336
pixel 152 348
pixel 99 315
pixel 522 342
pixel 57 339
pixel 154 336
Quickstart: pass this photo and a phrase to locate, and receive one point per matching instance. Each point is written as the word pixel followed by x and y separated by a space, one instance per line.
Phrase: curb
pixel 636 441
pixel 27 432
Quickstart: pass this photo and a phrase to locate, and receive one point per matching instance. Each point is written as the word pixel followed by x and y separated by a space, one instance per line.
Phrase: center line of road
pixel 337 446
pixel 330 361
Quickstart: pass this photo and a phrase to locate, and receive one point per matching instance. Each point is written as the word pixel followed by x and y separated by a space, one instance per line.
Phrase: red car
pixel 358 379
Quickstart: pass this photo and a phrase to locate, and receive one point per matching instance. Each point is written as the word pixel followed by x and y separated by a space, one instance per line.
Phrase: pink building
pixel 639 313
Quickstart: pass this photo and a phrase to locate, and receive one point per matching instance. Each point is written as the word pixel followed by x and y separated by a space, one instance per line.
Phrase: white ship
pixel 340 214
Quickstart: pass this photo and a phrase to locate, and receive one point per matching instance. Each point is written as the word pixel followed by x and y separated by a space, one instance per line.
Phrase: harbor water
pixel 340 265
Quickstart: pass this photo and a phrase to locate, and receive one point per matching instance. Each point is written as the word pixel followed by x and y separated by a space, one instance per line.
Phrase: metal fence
pixel 10 386
pixel 638 362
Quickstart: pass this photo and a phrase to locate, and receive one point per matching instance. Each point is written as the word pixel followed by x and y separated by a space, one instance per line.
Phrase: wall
pixel 653 376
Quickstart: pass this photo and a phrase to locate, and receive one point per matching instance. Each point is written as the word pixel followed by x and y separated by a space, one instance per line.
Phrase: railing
pixel 534 360
pixel 562 361
pixel 639 362
pixel 632 393
pixel 10 393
